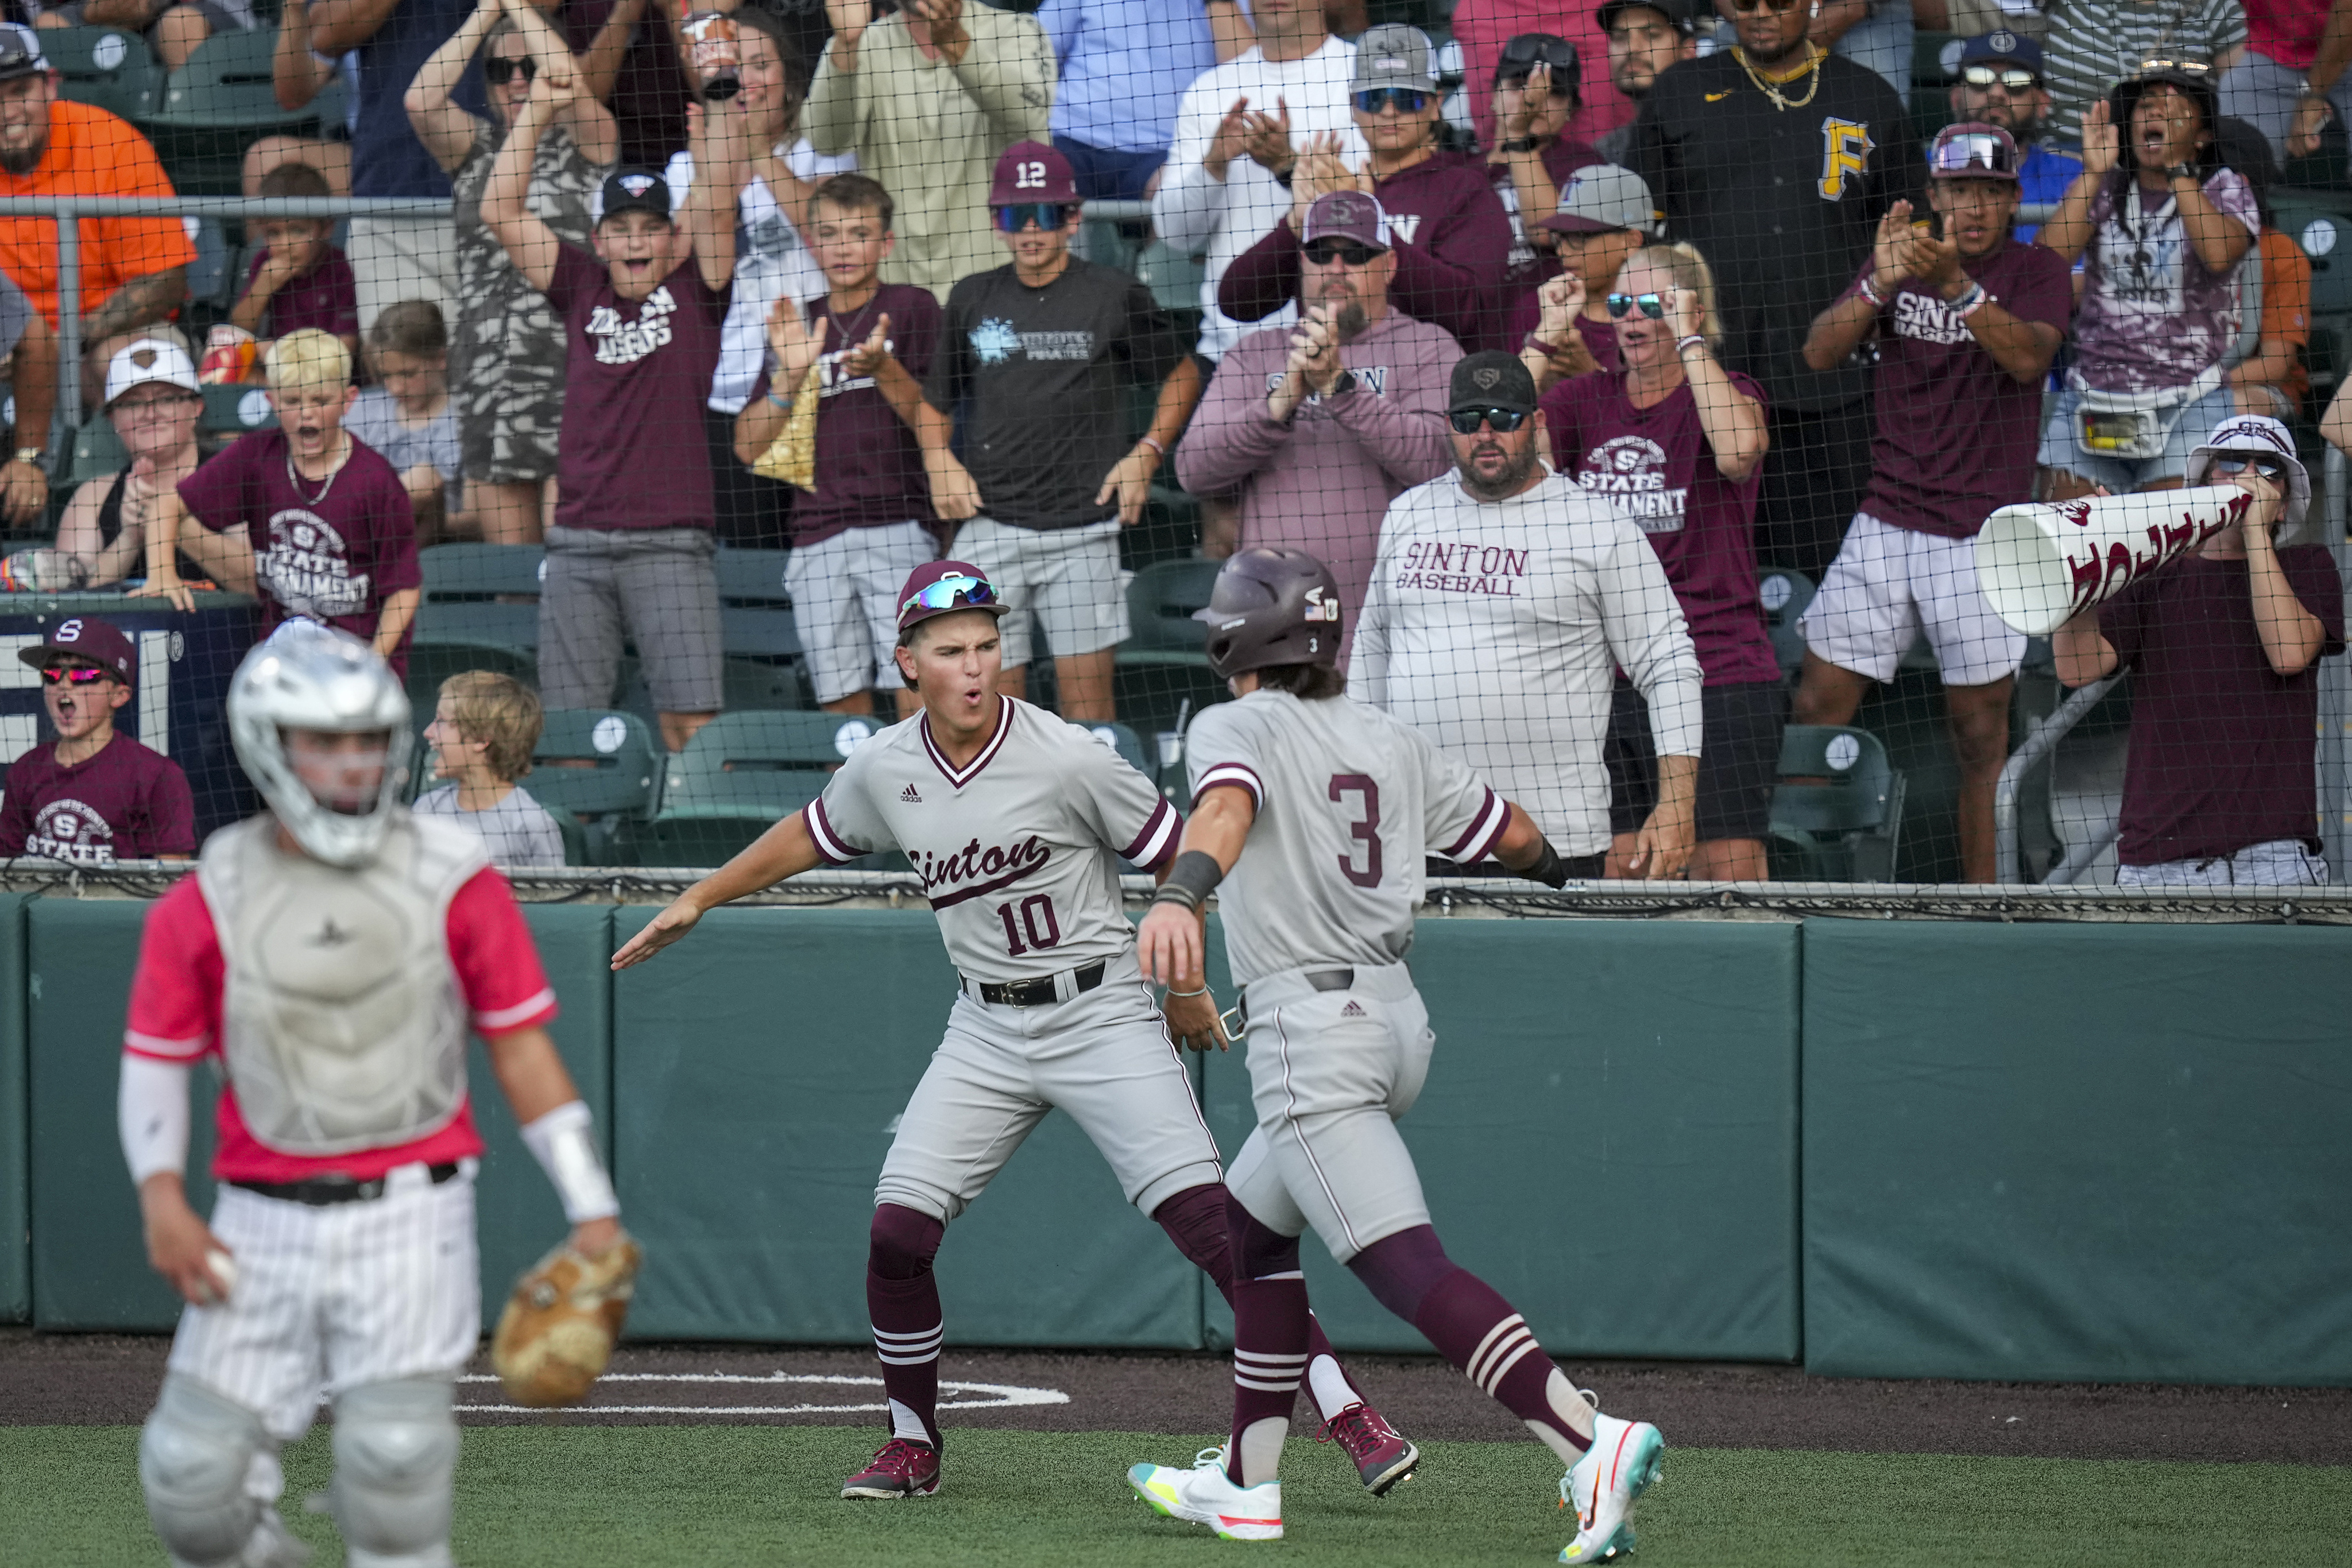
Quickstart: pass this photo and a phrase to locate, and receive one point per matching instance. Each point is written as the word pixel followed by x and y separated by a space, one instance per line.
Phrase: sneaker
pixel 1204 1496
pixel 1618 1467
pixel 900 1469
pixel 1383 1456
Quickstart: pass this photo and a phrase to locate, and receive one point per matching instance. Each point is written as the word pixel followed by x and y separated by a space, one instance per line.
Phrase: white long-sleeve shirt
pixel 1496 628
pixel 1202 216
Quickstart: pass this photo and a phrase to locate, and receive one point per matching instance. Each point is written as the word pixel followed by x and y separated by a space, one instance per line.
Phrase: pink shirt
pixel 1484 27
pixel 2287 31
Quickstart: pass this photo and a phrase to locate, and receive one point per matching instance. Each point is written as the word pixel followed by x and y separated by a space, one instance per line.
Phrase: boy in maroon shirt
pixel 297 279
pixel 2225 644
pixel 311 520
pixel 92 797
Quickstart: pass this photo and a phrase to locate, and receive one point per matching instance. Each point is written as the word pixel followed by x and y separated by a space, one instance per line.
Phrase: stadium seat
pixel 97 452
pixel 219 104
pixel 1837 810
pixel 1931 81
pixel 575 836
pixel 218 269
pixel 231 411
pixel 1785 594
pixel 740 775
pixel 105 68
pixel 1160 605
pixel 2321 221
pixel 601 764
pixel 1121 739
pixel 480 611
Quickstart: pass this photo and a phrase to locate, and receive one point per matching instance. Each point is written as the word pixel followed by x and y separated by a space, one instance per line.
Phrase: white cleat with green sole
pixel 1202 1495
pixel 1618 1467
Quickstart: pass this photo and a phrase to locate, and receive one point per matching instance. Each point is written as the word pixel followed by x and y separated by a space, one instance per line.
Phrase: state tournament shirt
pixel 869 466
pixel 1957 434
pixel 1045 370
pixel 1655 465
pixel 1348 800
pixel 1019 851
pixel 175 1017
pixel 330 549
pixel 633 453
pixel 128 803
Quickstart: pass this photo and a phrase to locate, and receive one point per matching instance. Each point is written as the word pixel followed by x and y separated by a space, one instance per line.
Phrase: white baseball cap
pixel 150 360
pixel 2256 435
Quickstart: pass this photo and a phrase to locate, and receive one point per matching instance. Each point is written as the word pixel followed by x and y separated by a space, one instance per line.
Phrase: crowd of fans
pixel 1545 341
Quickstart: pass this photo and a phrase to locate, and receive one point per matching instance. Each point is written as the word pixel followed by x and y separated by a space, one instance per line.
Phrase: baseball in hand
pixel 223 1269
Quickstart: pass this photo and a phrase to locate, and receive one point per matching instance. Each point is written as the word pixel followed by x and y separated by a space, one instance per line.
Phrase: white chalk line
pixel 961 1395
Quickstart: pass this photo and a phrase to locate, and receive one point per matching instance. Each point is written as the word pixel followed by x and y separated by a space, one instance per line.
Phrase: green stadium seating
pixel 231 411
pixel 1837 810
pixel 741 773
pixel 219 104
pixel 1785 594
pixel 1931 103
pixel 2321 221
pixel 1160 605
pixel 105 68
pixel 479 610
pixel 97 452
pixel 602 765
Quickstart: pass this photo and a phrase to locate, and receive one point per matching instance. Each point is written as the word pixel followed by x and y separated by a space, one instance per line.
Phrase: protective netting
pixel 1646 379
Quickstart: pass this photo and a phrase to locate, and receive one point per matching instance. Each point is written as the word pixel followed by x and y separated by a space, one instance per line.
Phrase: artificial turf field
pixel 653 1496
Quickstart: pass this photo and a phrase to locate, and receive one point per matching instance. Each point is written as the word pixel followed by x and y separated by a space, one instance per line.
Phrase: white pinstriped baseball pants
pixel 336 1297
pixel 1331 1071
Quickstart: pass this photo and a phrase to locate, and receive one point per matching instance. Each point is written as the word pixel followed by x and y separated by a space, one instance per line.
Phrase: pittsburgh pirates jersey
pixel 1018 850
pixel 1348 800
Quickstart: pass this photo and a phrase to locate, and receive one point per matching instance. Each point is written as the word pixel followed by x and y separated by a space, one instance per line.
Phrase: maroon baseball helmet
pixel 942 587
pixel 1272 607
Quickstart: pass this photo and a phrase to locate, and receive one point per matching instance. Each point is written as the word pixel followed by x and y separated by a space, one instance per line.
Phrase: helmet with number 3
pixel 308 676
pixel 1272 607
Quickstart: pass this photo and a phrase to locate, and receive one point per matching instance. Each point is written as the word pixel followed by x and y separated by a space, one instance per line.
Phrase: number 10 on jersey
pixel 1032 918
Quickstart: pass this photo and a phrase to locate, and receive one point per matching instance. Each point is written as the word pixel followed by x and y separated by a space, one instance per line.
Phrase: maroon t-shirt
pixel 633 453
pixel 2221 746
pixel 1655 465
pixel 1957 434
pixel 327 549
pixel 1452 245
pixel 327 297
pixel 1600 336
pixel 127 803
pixel 869 467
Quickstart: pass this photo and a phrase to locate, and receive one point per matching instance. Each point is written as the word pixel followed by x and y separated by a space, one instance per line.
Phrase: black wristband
pixel 1518 144
pixel 1549 869
pixel 1191 880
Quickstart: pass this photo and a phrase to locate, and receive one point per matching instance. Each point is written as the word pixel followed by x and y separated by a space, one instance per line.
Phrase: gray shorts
pixel 656 586
pixel 846 604
pixel 1103 1056
pixel 1331 1071
pixel 1067 579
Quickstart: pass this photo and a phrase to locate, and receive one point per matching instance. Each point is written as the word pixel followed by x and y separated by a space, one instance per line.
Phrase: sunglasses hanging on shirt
pixel 1020 215
pixel 498 72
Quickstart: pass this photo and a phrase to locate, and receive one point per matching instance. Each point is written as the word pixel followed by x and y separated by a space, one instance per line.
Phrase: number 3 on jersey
pixel 1031 917
pixel 1359 800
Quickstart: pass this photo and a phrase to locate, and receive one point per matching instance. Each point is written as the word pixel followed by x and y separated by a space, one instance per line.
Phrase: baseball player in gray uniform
pixel 1312 813
pixel 1017 822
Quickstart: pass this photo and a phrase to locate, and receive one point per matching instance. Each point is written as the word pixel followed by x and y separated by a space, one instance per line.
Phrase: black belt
pixel 1321 979
pixel 325 1190
pixel 1037 993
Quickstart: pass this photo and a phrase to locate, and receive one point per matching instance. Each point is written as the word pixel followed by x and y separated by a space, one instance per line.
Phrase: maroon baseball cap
pixel 87 637
pixel 1346 215
pixel 1032 171
pixel 942 587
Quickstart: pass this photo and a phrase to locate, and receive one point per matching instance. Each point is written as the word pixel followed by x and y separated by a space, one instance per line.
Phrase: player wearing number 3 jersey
pixel 1314 811
pixel 1017 822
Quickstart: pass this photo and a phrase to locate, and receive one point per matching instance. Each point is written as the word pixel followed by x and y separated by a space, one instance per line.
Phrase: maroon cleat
pixel 1383 1457
pixel 902 1469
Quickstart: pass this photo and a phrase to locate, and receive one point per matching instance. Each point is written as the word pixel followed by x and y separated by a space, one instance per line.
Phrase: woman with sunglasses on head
pixel 1677 442
pixel 506 359
pixel 1450 234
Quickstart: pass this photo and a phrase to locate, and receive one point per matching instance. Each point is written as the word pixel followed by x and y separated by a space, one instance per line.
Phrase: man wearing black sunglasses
pixel 1997 80
pixel 91 796
pixel 1777 159
pixel 1446 227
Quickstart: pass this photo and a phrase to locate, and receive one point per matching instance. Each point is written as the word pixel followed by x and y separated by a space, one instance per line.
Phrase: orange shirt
pixel 90 153
pixel 2287 304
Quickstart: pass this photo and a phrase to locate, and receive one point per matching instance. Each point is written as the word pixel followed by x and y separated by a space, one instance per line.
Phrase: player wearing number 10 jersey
pixel 1017 822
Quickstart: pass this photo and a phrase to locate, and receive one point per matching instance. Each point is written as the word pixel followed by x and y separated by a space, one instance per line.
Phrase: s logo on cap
pixel 1486 378
pixel 71 632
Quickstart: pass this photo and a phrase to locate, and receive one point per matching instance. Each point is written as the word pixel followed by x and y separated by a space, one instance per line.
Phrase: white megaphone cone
pixel 2041 563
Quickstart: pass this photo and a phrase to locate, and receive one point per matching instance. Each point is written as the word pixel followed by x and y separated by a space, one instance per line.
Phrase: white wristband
pixel 561 1143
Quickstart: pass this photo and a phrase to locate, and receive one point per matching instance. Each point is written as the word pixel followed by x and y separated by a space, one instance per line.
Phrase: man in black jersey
pixel 1777 159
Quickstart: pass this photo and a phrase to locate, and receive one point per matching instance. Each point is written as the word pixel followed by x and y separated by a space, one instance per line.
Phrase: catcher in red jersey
pixel 330 956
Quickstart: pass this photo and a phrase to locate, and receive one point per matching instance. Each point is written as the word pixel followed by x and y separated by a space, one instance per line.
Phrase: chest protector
pixel 341 1023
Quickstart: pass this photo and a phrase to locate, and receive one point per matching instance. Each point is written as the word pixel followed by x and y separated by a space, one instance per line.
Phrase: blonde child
pixel 482 733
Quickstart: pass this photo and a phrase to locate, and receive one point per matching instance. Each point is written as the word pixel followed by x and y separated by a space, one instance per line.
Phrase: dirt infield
pixel 94 1379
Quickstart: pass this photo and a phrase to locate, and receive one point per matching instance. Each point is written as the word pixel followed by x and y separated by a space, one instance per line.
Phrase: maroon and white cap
pixel 2258 435
pixel 87 637
pixel 1347 214
pixel 942 587
pixel 1032 171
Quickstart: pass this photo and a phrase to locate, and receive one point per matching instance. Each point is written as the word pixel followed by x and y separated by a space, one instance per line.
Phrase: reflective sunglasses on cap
pixel 1529 50
pixel 1407 100
pixel 2194 67
pixel 1653 306
pixel 943 594
pixel 2017 79
pixel 1467 421
pixel 1326 251
pixel 1020 215
pixel 71 674
pixel 498 72
pixel 2270 468
pixel 1972 151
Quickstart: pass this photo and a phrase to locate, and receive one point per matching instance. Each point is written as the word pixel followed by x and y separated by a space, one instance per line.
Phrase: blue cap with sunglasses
pixel 1394 64
pixel 1999 47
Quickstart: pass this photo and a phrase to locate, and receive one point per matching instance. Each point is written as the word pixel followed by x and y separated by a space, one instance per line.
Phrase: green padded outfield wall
pixel 90 1265
pixel 760 1067
pixel 16 1159
pixel 2104 1153
pixel 1607 1136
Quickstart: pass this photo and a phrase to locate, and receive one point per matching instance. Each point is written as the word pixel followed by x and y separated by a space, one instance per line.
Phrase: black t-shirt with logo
pixel 1045 372
pixel 1784 203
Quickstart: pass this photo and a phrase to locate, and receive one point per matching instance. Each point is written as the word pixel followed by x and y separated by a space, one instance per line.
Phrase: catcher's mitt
pixel 555 1337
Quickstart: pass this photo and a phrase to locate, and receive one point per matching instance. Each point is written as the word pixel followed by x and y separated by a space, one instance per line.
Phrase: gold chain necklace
pixel 1772 90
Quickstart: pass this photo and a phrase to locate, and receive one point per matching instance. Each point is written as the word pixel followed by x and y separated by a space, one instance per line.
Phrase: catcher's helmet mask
pixel 1272 607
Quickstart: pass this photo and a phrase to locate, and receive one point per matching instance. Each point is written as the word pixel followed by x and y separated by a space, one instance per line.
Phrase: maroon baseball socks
pixel 1272 1347
pixel 903 1299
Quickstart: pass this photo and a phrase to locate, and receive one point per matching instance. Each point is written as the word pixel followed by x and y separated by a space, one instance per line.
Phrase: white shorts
pixel 1104 1056
pixel 2276 862
pixel 846 604
pixel 1888 584
pixel 1331 1071
pixel 1066 577
pixel 338 1296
